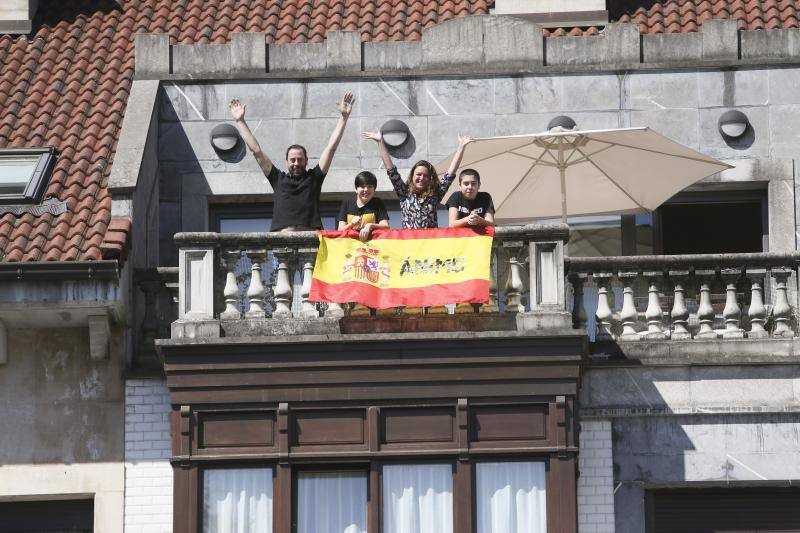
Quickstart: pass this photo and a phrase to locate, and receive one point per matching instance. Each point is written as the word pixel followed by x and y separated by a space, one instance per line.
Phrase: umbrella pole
pixel 562 169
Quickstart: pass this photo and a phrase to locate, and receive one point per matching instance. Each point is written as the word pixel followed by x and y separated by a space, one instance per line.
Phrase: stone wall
pixel 148 473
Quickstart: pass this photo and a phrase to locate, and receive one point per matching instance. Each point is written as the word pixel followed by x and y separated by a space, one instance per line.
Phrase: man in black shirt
pixel 469 207
pixel 296 192
pixel 364 212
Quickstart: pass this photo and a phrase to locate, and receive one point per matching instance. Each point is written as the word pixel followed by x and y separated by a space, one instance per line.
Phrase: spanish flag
pixel 403 267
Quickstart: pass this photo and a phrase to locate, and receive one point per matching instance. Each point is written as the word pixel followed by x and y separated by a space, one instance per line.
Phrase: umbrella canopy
pixel 575 173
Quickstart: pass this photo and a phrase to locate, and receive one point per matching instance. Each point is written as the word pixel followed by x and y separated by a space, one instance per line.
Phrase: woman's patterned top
pixel 416 211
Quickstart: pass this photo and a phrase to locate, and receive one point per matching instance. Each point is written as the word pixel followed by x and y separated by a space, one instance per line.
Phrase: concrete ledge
pixel 301 57
pixel 198 59
pixel 672 47
pixel 453 44
pixel 512 43
pixel 248 52
pixel 717 352
pixel 771 44
pixel 619 45
pixel 343 51
pixel 152 55
pixel 720 39
pixel 267 327
pixel 392 56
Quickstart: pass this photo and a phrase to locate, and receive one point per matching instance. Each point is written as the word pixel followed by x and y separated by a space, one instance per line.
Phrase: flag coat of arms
pixel 403 267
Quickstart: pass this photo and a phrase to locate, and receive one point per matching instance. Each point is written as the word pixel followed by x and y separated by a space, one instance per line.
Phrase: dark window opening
pixel 53 516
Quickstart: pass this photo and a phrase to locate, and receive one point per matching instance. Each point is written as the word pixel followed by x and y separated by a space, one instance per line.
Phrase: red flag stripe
pixel 429 296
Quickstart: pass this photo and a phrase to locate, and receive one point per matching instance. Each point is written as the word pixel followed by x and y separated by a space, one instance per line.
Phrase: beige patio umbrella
pixel 563 173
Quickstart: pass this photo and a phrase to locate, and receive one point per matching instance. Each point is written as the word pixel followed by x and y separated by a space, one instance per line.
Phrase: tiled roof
pixel 66 84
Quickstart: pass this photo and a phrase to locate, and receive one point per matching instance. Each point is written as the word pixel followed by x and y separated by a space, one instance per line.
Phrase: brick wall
pixel 148 474
pixel 596 481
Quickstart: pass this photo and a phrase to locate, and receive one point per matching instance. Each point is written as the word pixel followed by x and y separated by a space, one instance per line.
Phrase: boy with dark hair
pixel 364 212
pixel 297 191
pixel 469 207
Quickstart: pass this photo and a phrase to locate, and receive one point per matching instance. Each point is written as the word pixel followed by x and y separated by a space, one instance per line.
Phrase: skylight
pixel 24 174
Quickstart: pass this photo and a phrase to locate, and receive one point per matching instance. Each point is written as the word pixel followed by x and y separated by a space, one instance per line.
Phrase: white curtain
pixel 331 502
pixel 237 500
pixel 511 497
pixel 417 499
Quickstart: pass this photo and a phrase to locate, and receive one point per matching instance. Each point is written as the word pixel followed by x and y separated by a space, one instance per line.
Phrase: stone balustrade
pixel 218 297
pixel 674 297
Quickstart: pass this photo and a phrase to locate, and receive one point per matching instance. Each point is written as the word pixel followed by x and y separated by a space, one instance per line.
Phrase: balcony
pixel 258 284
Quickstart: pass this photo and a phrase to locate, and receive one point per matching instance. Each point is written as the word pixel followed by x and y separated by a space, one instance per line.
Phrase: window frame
pixel 39 179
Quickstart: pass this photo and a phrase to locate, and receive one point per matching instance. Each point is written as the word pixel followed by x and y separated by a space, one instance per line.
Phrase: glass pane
pixel 418 499
pixel 237 500
pixel 331 502
pixel 244 225
pixel 16 172
pixel 510 497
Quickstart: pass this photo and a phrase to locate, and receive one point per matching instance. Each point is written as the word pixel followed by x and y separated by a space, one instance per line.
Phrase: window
pixel 331 502
pixel 510 497
pixel 24 174
pixel 237 500
pixel 418 499
pixel 75 516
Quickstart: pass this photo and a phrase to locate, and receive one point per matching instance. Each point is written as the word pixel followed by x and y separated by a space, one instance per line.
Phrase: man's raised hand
pixel 346 104
pixel 237 109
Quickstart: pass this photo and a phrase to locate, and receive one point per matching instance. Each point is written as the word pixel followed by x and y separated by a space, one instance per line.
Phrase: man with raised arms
pixel 296 192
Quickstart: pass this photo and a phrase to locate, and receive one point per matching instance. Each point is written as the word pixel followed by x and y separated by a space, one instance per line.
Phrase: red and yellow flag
pixel 403 267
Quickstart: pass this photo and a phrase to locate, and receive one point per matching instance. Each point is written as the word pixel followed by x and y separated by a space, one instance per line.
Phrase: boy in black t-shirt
pixel 469 207
pixel 364 212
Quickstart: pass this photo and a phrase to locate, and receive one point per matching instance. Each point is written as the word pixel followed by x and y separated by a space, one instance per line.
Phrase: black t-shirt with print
pixel 482 203
pixel 296 198
pixel 373 212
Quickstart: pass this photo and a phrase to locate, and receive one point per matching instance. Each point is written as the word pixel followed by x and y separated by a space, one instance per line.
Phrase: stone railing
pixel 251 284
pixel 729 296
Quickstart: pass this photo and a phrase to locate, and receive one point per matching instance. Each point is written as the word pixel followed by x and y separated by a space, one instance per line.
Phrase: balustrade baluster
pixel 255 292
pixel 603 316
pixel 628 315
pixel 732 313
pixel 306 258
pixel 705 313
pixel 782 311
pixel 231 290
pixel 579 315
pixel 758 311
pixel 494 272
pixel 515 283
pixel 679 313
pixel 654 313
pixel 283 284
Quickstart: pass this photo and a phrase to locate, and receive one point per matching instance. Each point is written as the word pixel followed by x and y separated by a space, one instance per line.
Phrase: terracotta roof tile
pixel 66 84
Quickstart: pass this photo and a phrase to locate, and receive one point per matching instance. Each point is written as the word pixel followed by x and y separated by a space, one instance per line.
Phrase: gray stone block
pixel 672 47
pixel 662 90
pixel 343 51
pixel 392 55
pixel 320 98
pixel 195 329
pixel 510 43
pixel 771 44
pixel 199 60
pixel 784 123
pixel 418 126
pixel 300 57
pixel 443 131
pixel 461 96
pixel 313 133
pixel 194 101
pixel 151 53
pixel 781 201
pixel 185 141
pixel 560 94
pixel 618 45
pixel 389 97
pixel 681 125
pixel 248 52
pixel 265 99
pixel 453 45
pixel 783 85
pixel 720 40
pixel 730 88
